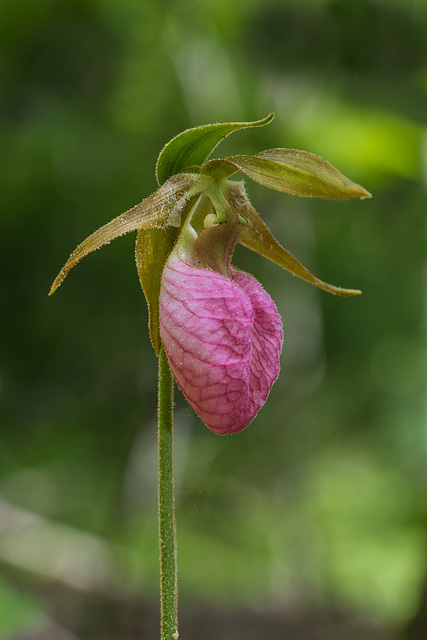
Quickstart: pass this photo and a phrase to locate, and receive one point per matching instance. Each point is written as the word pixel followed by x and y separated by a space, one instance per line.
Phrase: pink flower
pixel 220 329
pixel 223 337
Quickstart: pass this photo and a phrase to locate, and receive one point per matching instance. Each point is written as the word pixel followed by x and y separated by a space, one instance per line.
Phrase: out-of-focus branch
pixel 58 552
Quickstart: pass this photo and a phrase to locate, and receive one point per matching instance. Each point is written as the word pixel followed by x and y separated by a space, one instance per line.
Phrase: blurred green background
pixel 311 523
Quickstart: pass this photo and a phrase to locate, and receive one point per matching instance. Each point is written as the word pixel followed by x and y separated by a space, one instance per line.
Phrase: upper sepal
pixel 299 173
pixel 192 147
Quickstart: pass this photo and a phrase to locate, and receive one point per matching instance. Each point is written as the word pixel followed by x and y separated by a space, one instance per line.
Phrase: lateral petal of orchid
pixel 161 209
pixel 223 338
pixel 298 172
pixel 258 237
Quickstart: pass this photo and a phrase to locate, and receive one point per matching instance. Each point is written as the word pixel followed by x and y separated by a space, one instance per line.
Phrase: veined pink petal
pixel 223 338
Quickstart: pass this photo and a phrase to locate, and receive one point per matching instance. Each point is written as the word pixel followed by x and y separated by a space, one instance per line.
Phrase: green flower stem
pixel 219 203
pixel 167 523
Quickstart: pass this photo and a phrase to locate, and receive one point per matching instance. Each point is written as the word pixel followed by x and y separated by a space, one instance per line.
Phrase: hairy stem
pixel 167 524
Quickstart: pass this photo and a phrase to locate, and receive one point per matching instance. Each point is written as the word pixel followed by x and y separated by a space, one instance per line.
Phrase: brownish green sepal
pixel 258 237
pixel 299 173
pixel 192 147
pixel 162 209
pixel 152 248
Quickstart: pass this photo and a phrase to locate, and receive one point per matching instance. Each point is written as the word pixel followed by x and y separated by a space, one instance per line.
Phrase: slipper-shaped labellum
pixel 223 337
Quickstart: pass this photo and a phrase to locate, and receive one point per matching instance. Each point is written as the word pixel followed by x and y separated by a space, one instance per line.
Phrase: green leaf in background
pixel 193 146
pixel 298 172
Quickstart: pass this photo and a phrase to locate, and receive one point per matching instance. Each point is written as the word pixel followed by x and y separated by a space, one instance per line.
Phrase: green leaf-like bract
pixel 192 147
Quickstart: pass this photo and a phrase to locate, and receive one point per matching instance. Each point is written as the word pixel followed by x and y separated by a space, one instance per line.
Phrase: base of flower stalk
pixel 166 506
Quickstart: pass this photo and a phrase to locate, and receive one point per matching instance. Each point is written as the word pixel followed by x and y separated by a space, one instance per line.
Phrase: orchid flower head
pixel 220 329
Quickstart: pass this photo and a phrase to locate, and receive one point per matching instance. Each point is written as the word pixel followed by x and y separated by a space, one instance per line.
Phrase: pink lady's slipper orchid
pixel 221 331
